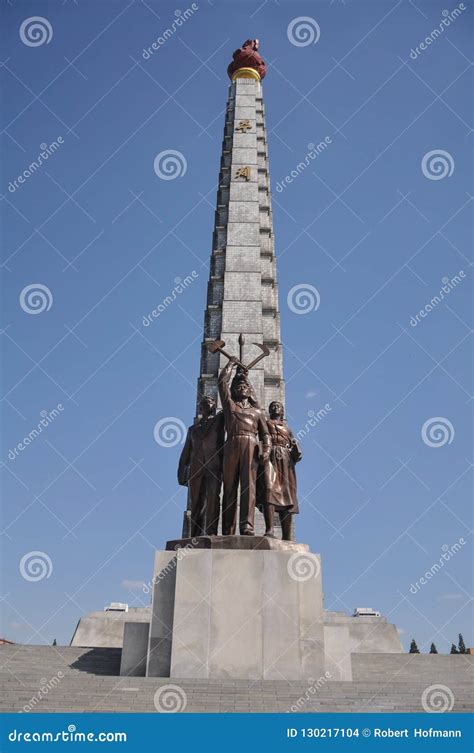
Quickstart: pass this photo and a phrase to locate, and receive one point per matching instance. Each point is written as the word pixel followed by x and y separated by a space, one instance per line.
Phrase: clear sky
pixel 375 223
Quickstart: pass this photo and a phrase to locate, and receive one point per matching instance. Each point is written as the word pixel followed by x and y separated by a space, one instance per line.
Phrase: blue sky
pixel 365 224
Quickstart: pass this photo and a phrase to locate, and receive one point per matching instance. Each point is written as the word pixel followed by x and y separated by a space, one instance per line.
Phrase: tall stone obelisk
pixel 242 291
pixel 242 296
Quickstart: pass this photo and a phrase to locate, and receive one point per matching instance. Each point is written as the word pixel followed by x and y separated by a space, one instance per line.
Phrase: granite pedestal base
pixel 237 613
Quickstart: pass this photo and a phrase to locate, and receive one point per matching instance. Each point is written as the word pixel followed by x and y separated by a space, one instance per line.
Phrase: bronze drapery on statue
pixel 277 488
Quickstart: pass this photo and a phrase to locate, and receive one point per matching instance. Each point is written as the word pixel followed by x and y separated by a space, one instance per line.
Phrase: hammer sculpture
pixel 217 346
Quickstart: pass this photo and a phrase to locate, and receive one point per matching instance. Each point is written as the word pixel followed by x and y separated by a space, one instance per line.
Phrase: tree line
pixel 459 649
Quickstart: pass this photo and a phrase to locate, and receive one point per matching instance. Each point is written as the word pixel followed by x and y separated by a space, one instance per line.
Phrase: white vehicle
pixel 365 612
pixel 116 606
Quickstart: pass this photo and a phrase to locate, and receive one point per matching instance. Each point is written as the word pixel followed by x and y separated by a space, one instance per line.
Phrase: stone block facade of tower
pixel 242 292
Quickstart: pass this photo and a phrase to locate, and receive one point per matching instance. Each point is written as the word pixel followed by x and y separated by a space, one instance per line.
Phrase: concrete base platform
pixel 237 614
pixel 366 634
pixel 135 648
pixel 106 629
pixel 344 639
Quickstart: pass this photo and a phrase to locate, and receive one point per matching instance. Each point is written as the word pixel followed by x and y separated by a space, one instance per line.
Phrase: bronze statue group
pixel 239 448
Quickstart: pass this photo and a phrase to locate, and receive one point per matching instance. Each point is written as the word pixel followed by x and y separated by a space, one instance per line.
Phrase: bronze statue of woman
pixel 280 477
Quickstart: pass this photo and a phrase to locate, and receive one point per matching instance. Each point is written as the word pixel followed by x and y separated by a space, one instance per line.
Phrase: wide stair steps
pixel 80 679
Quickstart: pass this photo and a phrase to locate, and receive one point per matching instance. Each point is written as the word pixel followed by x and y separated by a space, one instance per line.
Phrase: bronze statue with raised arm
pixel 245 426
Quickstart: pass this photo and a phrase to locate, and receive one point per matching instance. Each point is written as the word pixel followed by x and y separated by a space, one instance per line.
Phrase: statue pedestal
pixel 238 607
pixel 239 543
pixel 237 613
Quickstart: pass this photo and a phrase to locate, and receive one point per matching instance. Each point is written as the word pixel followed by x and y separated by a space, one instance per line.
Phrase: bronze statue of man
pixel 245 425
pixel 200 468
pixel 279 473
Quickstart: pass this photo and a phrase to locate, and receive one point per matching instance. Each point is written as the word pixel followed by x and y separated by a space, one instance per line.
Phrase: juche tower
pixel 242 295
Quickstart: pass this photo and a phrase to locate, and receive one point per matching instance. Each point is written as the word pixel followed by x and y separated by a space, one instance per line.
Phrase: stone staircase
pixel 408 668
pixel 71 679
